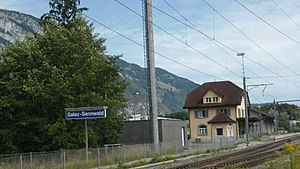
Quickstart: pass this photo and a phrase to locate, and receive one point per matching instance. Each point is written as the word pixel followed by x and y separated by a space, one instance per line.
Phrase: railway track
pixel 245 158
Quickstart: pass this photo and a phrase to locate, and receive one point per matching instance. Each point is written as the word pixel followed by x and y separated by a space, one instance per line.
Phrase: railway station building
pixel 216 111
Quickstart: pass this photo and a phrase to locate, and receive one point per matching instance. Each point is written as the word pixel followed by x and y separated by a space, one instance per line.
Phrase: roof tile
pixel 231 95
pixel 221 118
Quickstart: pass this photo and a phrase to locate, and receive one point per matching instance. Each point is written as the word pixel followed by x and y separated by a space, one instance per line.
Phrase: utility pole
pixel 245 100
pixel 151 73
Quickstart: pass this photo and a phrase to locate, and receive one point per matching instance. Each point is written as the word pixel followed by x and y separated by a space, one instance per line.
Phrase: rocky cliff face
pixel 15 25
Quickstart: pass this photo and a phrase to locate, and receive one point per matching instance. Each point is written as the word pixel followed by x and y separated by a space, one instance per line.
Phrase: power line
pixel 178 39
pixel 286 14
pixel 198 30
pixel 211 39
pixel 137 43
pixel 256 45
pixel 260 18
pixel 193 27
pixel 270 77
pixel 248 37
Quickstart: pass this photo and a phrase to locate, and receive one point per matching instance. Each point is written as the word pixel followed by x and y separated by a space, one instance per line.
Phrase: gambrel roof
pixel 231 95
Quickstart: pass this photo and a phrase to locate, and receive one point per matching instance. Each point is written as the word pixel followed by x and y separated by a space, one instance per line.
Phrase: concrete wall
pixel 172 131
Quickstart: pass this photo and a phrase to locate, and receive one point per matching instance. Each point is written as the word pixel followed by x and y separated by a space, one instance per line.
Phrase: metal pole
pixel 275 116
pixel 260 128
pixel 86 141
pixel 245 100
pixel 151 73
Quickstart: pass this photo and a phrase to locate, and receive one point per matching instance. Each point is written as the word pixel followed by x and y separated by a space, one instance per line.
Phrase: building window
pixel 208 100
pixel 215 99
pixel 239 111
pixel 226 111
pixel 202 130
pixel 219 131
pixel 201 114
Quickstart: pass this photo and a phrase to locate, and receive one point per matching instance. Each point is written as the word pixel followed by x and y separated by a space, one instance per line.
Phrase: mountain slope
pixel 171 89
pixel 15 25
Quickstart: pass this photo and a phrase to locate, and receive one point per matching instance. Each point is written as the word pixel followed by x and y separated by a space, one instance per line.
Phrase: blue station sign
pixel 85 113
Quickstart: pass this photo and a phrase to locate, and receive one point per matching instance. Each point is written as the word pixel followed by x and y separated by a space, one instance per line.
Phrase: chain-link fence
pixel 110 156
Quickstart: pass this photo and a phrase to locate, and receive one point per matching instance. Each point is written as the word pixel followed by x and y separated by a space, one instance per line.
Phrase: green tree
pixel 59 68
pixel 63 11
pixel 179 115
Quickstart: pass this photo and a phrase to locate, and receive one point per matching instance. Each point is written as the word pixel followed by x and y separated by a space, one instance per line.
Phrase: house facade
pixel 214 109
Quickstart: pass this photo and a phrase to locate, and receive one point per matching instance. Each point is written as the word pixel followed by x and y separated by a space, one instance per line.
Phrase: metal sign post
pixel 85 113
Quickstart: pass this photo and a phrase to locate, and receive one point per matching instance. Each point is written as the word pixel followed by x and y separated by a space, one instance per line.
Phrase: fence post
pixel 62 156
pixel 206 146
pixel 31 163
pixel 64 159
pixel 214 143
pixel 161 149
pixel 112 154
pixel 124 154
pixel 227 141
pixel 175 147
pixel 21 161
pixel 144 151
pixel 98 157
pixel 221 142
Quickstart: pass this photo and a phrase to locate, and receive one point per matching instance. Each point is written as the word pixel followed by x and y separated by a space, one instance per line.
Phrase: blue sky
pixel 272 54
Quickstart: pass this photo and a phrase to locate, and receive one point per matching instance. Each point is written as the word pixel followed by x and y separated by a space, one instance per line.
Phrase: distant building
pixel 260 122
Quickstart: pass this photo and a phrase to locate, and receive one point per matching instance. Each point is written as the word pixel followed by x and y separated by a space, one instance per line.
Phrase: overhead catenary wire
pixel 141 45
pixel 178 39
pixel 257 46
pixel 192 26
pixel 286 14
pixel 260 18
pixel 211 39
pixel 126 37
pixel 250 39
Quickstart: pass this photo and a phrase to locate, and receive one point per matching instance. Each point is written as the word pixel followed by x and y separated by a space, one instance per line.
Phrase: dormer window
pixel 211 97
pixel 208 100
pixel 215 99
